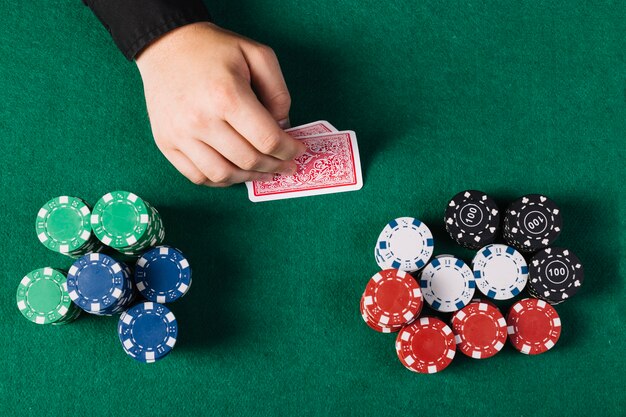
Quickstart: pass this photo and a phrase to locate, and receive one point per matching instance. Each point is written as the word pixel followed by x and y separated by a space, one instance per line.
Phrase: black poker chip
pixel 472 219
pixel 554 275
pixel 532 222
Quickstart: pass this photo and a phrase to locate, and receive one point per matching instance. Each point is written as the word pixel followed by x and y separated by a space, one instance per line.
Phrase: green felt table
pixel 444 96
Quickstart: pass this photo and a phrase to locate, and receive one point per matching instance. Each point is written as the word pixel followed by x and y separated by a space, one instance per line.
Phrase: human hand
pixel 200 83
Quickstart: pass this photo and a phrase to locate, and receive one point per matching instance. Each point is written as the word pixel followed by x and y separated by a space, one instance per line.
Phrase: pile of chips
pixel 480 329
pixel 472 219
pixel 126 223
pixel 405 243
pixel 500 271
pixel 99 284
pixel 393 298
pixel 532 222
pixel 533 326
pixel 163 274
pixel 43 299
pixel 147 331
pixel 556 274
pixel 447 283
pixel 62 225
pixel 426 346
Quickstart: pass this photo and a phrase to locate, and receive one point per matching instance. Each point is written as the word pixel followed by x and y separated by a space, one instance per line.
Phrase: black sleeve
pixel 133 24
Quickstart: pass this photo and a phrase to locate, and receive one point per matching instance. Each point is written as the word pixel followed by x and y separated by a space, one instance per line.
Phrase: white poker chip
pixel 500 271
pixel 447 284
pixel 378 257
pixel 405 243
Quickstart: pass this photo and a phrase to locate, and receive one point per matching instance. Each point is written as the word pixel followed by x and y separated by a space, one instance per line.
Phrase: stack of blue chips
pixel 147 331
pixel 100 285
pixel 163 274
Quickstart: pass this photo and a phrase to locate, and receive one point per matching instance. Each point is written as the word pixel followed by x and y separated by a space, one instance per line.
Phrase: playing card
pixel 310 129
pixel 331 164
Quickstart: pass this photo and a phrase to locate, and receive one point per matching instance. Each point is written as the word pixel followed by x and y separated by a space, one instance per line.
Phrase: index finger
pixel 254 122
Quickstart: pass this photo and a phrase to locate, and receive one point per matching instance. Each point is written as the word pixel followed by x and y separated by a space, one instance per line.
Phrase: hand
pixel 206 118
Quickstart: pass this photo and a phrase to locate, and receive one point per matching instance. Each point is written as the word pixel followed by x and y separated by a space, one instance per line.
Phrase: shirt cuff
pixel 134 24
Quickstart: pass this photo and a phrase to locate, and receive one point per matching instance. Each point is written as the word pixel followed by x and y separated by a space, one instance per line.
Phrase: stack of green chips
pixel 43 299
pixel 128 224
pixel 62 225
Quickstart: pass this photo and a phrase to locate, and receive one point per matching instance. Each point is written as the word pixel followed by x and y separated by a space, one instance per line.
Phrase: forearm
pixel 134 24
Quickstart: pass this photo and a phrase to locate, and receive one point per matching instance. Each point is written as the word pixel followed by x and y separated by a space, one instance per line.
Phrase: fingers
pixel 236 149
pixel 218 104
pixel 185 166
pixel 268 81
pixel 252 121
pixel 203 165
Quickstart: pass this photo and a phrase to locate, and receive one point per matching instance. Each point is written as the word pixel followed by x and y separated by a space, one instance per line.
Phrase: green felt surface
pixel 444 96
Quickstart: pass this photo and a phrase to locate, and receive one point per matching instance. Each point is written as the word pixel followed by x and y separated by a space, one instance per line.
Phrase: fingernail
pixel 284 124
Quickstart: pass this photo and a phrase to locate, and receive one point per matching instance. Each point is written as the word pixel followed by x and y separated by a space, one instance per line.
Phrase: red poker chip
pixel 392 298
pixel 426 346
pixel 484 300
pixel 382 329
pixel 373 325
pixel 534 326
pixel 479 329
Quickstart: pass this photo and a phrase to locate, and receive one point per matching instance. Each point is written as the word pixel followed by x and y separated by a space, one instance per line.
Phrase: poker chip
pixel 405 243
pixel 373 325
pixel 472 219
pixel 70 317
pixel 534 326
pixel 484 300
pixel 426 346
pixel 480 330
pixel 163 274
pixel 62 225
pixel 379 258
pixel 500 271
pixel 100 285
pixel 43 299
pixel 392 298
pixel 147 331
pixel 532 222
pixel 447 284
pixel 127 223
pixel 555 274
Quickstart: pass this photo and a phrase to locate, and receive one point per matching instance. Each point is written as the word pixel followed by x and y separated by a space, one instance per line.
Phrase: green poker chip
pixel 63 225
pixel 70 317
pixel 120 219
pixel 127 223
pixel 42 296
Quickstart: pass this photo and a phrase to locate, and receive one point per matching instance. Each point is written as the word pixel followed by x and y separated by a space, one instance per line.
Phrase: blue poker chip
pixel 447 283
pixel 147 331
pixel 99 284
pixel 500 271
pixel 405 243
pixel 163 274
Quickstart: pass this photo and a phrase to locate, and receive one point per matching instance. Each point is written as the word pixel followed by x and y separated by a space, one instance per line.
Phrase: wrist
pixel 176 40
